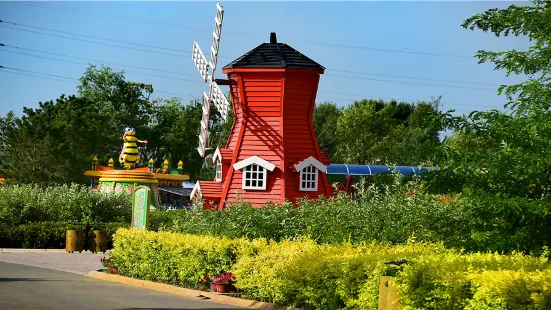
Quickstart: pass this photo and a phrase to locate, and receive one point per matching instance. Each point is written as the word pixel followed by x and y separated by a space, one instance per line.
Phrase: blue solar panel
pixel 405 170
pixel 346 169
pixel 359 170
pixel 379 169
pixel 337 169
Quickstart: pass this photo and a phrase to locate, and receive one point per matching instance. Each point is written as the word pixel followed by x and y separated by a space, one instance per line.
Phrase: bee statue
pixel 129 155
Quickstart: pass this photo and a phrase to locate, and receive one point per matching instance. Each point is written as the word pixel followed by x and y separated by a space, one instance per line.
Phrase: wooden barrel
pixel 73 241
pixel 98 241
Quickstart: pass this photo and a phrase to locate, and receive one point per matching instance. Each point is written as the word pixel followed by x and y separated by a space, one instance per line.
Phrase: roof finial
pixel 273 39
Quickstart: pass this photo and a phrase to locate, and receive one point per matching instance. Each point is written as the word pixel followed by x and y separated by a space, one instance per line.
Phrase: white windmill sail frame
pixel 215 94
pixel 220 101
pixel 201 62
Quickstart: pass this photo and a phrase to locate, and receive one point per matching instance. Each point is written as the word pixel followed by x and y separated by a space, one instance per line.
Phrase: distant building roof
pixel 274 55
pixel 176 190
pixel 208 189
pixel 187 184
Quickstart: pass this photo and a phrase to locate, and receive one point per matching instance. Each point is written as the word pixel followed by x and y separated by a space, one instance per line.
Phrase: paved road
pixel 80 263
pixel 29 287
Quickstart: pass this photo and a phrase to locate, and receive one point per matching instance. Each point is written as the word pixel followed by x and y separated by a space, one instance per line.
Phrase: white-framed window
pixel 309 170
pixel 309 179
pixel 254 177
pixel 255 171
pixel 218 171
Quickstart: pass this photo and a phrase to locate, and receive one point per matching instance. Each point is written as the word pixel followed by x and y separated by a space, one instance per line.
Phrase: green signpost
pixel 140 207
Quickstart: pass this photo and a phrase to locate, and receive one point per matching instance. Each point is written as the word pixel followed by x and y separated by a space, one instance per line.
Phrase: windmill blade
pixel 203 136
pixel 216 36
pixel 206 69
pixel 220 101
pixel 201 62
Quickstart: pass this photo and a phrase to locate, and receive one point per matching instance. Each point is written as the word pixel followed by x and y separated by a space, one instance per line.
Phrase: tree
pixel 378 132
pixel 535 23
pixel 55 142
pixel 50 144
pixel 508 152
pixel 325 119
pixel 122 103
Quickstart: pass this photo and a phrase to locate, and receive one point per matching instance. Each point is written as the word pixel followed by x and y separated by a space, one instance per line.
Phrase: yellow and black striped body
pixel 130 156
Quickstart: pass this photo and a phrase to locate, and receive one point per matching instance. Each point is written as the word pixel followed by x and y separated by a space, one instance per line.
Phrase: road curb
pixel 8 250
pixel 185 292
pixel 16 250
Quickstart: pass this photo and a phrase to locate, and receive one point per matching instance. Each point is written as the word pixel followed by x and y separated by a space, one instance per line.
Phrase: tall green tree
pixel 50 144
pixel 325 118
pixel 507 152
pixel 378 132
pixel 54 143
pixel 123 103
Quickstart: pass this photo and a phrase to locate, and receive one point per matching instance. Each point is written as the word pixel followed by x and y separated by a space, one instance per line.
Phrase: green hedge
pixel 474 221
pixel 309 275
pixel 176 258
pixel 21 204
pixel 49 235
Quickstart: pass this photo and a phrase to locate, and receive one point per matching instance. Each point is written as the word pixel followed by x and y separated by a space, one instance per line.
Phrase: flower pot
pixel 112 269
pixel 222 287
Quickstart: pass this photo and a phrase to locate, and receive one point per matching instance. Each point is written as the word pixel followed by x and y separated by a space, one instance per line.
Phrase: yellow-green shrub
pixel 177 258
pixel 309 275
pixel 511 289
pixel 304 274
pixel 444 280
pixel 260 276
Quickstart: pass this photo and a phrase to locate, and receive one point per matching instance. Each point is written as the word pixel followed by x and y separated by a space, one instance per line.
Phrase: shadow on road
pixel 26 280
pixel 174 308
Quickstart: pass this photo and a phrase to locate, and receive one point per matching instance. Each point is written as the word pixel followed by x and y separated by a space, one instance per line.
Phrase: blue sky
pixel 381 42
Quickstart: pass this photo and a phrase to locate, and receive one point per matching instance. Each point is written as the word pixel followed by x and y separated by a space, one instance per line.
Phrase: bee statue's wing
pixel 122 152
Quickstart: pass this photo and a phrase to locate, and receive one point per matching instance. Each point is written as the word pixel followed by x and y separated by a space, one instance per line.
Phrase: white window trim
pixel 300 167
pixel 218 165
pixel 261 163
pixel 315 180
pixel 217 155
pixel 311 161
pixel 196 190
pixel 254 160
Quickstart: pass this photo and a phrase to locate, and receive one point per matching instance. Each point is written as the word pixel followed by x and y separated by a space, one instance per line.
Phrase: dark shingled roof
pixel 274 55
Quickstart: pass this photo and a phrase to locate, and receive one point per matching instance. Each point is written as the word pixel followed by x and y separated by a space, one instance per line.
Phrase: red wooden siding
pixel 273 120
pixel 261 137
pixel 325 159
pixel 211 192
pixel 238 114
pixel 300 140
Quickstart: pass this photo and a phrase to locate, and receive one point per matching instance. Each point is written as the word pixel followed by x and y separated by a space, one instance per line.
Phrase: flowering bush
pixel 225 279
pixel 107 262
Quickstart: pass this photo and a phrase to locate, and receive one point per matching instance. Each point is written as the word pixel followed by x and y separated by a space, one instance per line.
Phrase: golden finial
pixel 110 164
pixel 180 164
pixel 94 163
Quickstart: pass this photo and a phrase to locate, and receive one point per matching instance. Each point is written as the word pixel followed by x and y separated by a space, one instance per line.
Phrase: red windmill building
pixel 272 153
